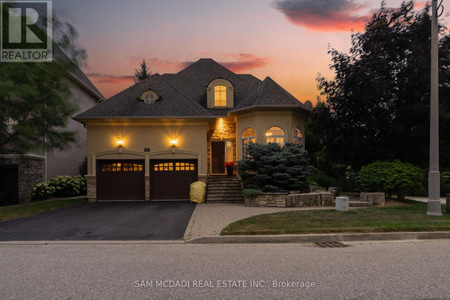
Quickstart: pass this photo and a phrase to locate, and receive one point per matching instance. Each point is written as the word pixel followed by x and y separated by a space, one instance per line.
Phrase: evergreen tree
pixel 273 168
pixel 142 73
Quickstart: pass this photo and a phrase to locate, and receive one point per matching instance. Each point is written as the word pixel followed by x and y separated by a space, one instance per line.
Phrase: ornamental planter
pixel 229 171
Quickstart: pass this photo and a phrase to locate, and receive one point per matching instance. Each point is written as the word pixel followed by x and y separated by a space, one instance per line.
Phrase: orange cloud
pixel 245 61
pixel 419 5
pixel 323 15
pixel 107 78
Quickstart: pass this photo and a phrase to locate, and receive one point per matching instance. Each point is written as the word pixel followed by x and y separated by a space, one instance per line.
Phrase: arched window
pixel 220 95
pixel 275 135
pixel 248 136
pixel 297 137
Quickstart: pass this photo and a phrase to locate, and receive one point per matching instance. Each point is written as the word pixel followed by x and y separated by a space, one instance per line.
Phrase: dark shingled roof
pixel 127 103
pixel 183 95
pixel 269 93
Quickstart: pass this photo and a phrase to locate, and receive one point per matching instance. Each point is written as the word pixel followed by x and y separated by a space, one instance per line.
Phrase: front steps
pixel 224 189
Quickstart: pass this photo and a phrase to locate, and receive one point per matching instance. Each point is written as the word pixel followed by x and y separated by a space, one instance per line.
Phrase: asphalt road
pixel 103 221
pixel 376 270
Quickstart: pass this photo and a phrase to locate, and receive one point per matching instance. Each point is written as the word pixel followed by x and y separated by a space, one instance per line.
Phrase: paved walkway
pixel 423 199
pixel 209 219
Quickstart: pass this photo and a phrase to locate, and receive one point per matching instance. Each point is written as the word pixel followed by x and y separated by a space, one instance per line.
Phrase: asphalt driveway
pixel 103 221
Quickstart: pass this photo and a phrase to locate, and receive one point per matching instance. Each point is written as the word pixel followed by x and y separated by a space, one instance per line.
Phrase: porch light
pixel 119 145
pixel 173 143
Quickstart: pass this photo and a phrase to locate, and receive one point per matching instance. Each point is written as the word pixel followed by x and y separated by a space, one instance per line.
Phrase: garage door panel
pixel 120 180
pixel 171 179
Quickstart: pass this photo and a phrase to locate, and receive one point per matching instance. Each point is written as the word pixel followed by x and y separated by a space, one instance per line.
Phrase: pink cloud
pixel 107 78
pixel 419 5
pixel 245 61
pixel 323 15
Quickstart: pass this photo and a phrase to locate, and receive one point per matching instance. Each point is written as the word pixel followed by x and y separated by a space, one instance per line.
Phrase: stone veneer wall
pixel 318 199
pixel 30 171
pixel 224 131
pixel 91 188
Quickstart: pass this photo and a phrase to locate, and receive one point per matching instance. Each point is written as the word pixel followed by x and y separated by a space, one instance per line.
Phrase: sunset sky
pixel 285 39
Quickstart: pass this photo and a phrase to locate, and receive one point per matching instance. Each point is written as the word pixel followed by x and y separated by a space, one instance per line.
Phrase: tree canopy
pixel 377 105
pixel 34 97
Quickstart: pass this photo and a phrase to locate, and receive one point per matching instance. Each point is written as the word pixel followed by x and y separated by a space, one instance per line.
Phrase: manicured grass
pixel 395 217
pixel 33 208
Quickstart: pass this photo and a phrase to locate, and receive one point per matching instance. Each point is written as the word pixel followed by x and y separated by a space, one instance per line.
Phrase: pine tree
pixel 142 73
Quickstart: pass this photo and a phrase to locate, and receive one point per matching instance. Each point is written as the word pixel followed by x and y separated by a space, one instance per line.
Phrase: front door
pixel 217 157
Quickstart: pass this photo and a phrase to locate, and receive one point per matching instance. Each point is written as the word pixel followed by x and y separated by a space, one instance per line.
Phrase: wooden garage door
pixel 171 179
pixel 120 180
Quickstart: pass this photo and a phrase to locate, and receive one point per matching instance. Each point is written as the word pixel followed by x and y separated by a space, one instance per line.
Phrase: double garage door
pixel 125 179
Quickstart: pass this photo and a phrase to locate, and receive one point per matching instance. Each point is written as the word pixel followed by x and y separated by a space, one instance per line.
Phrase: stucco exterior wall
pixel 191 139
pixel 69 160
pixel 261 120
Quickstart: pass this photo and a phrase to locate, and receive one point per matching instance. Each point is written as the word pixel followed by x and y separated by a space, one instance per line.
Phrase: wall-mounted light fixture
pixel 173 143
pixel 119 145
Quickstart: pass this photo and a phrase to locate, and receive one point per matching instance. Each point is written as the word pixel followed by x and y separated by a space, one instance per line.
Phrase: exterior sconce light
pixel 173 143
pixel 120 145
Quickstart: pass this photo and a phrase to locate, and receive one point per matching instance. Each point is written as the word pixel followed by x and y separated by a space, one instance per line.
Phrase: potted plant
pixel 229 165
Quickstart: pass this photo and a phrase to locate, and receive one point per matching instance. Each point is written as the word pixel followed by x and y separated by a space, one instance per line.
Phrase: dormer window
pixel 149 97
pixel 220 94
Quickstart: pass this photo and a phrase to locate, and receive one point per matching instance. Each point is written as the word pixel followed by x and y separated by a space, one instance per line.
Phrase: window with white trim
pixel 275 135
pixel 297 136
pixel 248 137
pixel 220 95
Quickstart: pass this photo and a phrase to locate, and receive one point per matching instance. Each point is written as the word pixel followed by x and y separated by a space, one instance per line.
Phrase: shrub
pixel 250 193
pixel 390 177
pixel 323 180
pixel 67 186
pixel 274 168
pixel 42 191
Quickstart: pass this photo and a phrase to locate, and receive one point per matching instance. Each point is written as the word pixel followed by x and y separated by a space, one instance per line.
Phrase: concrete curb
pixel 137 242
pixel 308 238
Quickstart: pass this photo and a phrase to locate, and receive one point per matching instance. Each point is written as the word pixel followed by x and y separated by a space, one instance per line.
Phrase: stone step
pixel 225 200
pixel 359 204
pixel 230 195
pixel 224 182
pixel 223 179
pixel 221 187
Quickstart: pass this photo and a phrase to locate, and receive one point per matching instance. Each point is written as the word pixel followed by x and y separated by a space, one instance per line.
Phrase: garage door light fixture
pixel 173 143
pixel 119 145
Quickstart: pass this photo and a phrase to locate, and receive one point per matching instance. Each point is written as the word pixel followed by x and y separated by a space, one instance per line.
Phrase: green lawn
pixel 394 217
pixel 33 208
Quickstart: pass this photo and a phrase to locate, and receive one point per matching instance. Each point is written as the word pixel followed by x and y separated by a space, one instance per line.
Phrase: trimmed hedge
pixel 60 186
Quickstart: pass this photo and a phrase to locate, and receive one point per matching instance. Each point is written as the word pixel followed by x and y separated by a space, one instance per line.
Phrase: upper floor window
pixel 248 137
pixel 297 137
pixel 220 95
pixel 275 135
pixel 149 97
